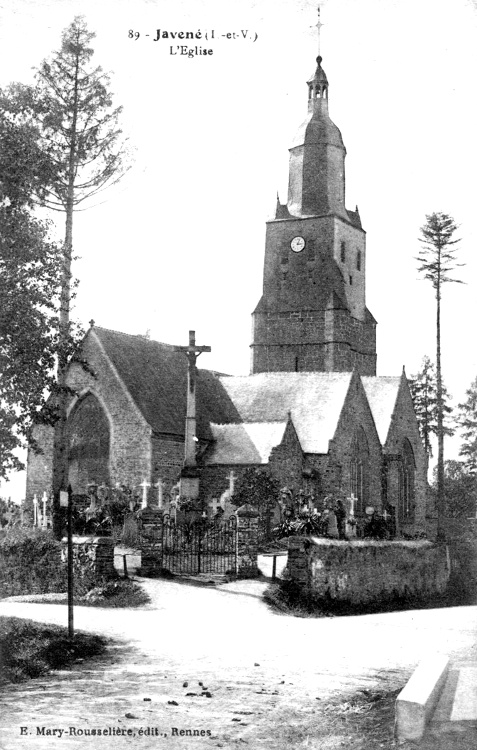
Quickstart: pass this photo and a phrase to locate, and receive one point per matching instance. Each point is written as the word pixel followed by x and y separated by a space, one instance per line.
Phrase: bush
pixel 30 563
pixel 28 649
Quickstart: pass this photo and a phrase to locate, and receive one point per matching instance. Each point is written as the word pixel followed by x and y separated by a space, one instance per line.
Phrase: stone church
pixel 312 412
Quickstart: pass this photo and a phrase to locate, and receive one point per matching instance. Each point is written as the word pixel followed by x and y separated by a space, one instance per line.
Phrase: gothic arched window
pixel 359 470
pixel 407 478
pixel 88 444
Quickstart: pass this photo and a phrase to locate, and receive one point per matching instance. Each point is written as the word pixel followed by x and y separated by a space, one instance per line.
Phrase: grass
pixel 28 649
pixel 362 720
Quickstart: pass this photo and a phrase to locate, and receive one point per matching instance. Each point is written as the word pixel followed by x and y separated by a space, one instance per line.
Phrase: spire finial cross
pixel 318 26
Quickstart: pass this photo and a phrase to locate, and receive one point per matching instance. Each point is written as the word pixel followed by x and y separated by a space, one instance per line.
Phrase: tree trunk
pixel 60 449
pixel 440 427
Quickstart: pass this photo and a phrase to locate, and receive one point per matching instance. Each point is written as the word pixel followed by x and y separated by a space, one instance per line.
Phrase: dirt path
pixel 263 675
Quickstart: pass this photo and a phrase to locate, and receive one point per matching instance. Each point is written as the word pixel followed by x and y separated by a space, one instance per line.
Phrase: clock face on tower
pixel 297 244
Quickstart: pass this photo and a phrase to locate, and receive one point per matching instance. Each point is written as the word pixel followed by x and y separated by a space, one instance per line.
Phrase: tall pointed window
pixel 359 470
pixel 407 479
pixel 89 441
pixel 358 260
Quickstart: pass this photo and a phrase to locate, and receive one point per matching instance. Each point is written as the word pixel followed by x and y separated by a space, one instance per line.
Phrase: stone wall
pixel 93 561
pixel 247 542
pixel 364 572
pixel 461 536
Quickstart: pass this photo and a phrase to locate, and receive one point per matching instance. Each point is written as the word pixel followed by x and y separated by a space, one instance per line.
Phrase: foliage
pixel 460 485
pixel 467 421
pixel 257 488
pixel 30 271
pixel 437 262
pixel 423 389
pixel 121 593
pixel 30 562
pixel 29 650
pixel 71 109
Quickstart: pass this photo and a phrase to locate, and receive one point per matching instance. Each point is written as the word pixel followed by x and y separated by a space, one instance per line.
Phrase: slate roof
pixel 246 443
pixel 156 377
pixel 382 393
pixel 314 400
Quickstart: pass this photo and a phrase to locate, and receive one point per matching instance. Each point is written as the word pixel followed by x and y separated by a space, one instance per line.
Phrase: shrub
pixel 30 563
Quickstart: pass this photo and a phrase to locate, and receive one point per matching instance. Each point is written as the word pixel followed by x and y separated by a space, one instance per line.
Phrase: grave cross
pixel 352 505
pixel 214 505
pixel 44 500
pixel 232 478
pixel 145 485
pixel 160 493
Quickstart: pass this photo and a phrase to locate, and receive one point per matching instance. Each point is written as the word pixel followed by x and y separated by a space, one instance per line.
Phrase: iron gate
pixel 200 546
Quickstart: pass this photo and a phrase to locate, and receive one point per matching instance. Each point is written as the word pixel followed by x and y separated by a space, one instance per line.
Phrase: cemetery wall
pixel 461 536
pixel 35 563
pixel 363 572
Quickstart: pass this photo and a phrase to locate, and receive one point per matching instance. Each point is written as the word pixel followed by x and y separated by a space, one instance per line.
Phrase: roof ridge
pixel 134 336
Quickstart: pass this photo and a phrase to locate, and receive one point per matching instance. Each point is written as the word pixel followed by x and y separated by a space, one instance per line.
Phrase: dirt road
pixel 214 667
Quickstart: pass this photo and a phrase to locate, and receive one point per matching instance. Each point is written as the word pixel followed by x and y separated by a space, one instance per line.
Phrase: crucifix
pixel 189 476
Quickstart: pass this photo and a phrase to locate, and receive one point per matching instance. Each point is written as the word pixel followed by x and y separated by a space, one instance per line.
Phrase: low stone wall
pixel 363 572
pixel 461 536
pixel 93 560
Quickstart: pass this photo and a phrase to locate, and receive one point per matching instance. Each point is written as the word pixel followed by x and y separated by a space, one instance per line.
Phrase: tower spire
pixel 318 26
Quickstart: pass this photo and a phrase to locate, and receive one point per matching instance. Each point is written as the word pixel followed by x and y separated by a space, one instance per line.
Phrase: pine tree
pixel 72 106
pixel 423 387
pixel 467 420
pixel 436 262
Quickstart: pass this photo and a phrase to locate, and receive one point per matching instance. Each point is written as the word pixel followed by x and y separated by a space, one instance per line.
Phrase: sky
pixel 179 243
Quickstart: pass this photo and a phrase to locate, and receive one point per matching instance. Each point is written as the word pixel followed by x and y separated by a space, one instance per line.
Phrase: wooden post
pixel 70 563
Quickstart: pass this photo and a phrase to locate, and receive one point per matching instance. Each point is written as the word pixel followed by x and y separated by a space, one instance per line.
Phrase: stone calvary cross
pixel 189 477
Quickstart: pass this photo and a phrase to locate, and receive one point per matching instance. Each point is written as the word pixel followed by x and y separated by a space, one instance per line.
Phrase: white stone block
pixel 416 702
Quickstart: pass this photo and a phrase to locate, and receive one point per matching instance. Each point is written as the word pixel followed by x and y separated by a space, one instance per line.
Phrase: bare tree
pixel 436 262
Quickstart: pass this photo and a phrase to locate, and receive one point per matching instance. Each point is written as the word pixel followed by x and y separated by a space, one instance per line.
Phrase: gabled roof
pixel 382 393
pixel 246 443
pixel 314 400
pixel 156 377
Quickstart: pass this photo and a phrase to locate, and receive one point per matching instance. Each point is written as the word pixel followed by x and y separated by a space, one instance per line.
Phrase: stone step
pixel 458 701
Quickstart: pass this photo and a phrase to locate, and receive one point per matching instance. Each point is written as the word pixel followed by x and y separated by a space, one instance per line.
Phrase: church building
pixel 312 412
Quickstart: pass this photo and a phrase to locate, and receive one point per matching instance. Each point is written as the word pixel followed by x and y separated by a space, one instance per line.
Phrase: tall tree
pixel 467 421
pixel 423 387
pixel 72 106
pixel 461 489
pixel 436 262
pixel 30 269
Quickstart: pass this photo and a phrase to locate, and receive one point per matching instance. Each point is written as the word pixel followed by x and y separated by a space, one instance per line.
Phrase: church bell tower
pixel 312 315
